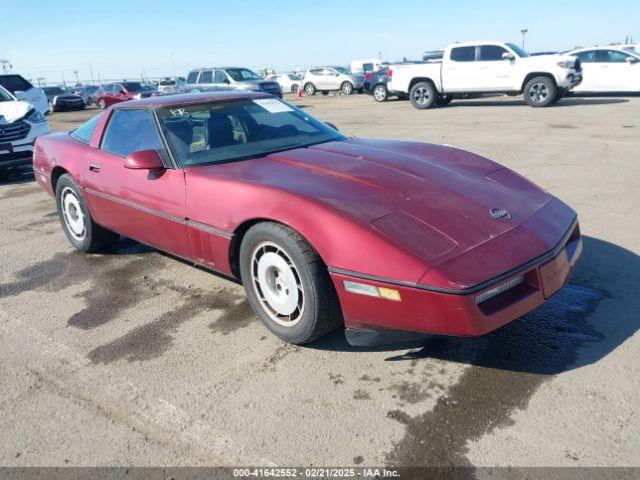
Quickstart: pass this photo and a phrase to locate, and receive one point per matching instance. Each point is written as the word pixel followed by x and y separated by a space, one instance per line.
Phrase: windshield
pixel 53 90
pixel 293 77
pixel 238 130
pixel 4 96
pixel 133 86
pixel 242 74
pixel 342 70
pixel 519 51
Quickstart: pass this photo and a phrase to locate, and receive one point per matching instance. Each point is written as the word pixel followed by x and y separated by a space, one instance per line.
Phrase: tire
pixel 540 92
pixel 310 89
pixel 423 95
pixel 101 104
pixel 83 233
pixel 346 88
pixel 444 100
pixel 273 258
pixel 380 93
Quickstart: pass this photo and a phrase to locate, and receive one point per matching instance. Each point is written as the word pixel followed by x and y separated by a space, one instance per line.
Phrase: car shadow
pixel 16 175
pixel 580 325
pixel 571 101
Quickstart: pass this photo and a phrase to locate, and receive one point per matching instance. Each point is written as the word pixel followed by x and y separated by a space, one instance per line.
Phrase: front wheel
pixel 310 89
pixel 287 284
pixel 540 92
pixel 101 104
pixel 346 88
pixel 380 93
pixel 83 233
pixel 423 95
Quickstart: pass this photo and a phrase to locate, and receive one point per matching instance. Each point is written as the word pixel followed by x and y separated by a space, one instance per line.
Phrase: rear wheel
pixel 310 89
pixel 380 93
pixel 423 95
pixel 346 88
pixel 540 92
pixel 287 284
pixel 83 233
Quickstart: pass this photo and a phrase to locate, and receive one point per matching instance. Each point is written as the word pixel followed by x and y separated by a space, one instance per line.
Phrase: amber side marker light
pixel 372 291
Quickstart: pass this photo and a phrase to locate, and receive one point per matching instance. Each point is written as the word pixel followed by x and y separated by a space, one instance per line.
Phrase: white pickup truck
pixel 486 67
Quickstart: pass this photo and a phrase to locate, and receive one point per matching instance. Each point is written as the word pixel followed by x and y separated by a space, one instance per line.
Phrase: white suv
pixel 326 79
pixel 22 89
pixel 20 125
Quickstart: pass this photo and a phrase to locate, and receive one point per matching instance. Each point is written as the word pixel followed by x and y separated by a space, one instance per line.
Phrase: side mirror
pixel 226 80
pixel 144 160
pixel 631 60
pixel 332 126
pixel 508 56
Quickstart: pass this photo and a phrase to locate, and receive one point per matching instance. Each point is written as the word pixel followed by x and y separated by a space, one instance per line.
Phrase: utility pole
pixel 524 34
pixel 75 72
pixel 40 81
pixel 173 61
pixel 91 70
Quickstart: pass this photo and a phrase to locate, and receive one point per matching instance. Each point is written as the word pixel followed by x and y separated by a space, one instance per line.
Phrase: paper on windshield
pixel 272 105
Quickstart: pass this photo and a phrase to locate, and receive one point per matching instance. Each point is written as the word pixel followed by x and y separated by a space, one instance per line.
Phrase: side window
pixel 219 77
pixel 206 77
pixel 315 71
pixel 587 57
pixel 118 89
pixel 491 53
pixel 119 139
pixel 611 56
pixel 193 76
pixel 85 131
pixel 108 88
pixel 463 54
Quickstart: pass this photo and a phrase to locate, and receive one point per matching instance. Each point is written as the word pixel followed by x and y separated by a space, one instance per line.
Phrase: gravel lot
pixel 134 358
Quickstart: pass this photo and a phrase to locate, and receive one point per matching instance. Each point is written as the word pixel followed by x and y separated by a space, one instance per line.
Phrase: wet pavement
pixel 166 364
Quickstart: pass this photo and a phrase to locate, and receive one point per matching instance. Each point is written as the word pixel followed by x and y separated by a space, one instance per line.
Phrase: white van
pixel 366 65
pixel 23 90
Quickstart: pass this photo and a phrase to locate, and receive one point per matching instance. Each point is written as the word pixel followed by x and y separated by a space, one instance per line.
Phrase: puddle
pixel 506 368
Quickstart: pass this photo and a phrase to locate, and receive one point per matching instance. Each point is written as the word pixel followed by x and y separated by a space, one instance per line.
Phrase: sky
pixel 117 39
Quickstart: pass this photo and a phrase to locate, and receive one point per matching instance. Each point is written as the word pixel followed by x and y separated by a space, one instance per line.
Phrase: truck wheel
pixel 444 100
pixel 288 284
pixel 423 95
pixel 346 88
pixel 310 89
pixel 83 233
pixel 540 92
pixel 380 93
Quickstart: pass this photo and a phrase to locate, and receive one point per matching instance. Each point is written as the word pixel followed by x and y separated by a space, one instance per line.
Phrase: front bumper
pixel 571 80
pixel 69 104
pixel 471 312
pixel 20 152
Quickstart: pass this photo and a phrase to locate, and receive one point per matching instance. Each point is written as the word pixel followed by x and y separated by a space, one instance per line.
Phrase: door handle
pixel 94 167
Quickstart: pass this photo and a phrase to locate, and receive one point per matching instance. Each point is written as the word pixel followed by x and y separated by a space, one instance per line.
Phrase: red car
pixel 121 92
pixel 323 230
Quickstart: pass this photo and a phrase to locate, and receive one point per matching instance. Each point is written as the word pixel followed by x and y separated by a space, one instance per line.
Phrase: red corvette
pixel 323 230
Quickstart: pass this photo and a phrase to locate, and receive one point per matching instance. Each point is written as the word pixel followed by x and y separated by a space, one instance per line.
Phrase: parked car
pixel 123 91
pixel 20 124
pixel 250 186
pixel 229 78
pixel 326 79
pixel 169 86
pixel 59 99
pixel 23 90
pixel 87 92
pixel 487 67
pixel 608 69
pixel 288 82
pixel 376 84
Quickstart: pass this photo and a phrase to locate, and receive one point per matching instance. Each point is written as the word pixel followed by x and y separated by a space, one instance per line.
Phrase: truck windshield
pixel 519 51
pixel 218 132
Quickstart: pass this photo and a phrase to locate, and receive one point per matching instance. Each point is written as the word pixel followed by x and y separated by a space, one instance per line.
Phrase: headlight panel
pixel 34 116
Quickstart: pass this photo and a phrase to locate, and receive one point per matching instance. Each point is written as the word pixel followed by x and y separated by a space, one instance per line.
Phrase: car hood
pixel 12 111
pixel 402 188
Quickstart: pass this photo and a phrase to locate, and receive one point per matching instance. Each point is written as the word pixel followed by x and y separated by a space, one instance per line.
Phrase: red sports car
pixel 322 229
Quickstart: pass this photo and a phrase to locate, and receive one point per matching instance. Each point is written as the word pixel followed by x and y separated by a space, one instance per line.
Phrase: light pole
pixel 524 33
pixel 173 61
pixel 6 65
pixel 40 81
pixel 75 72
